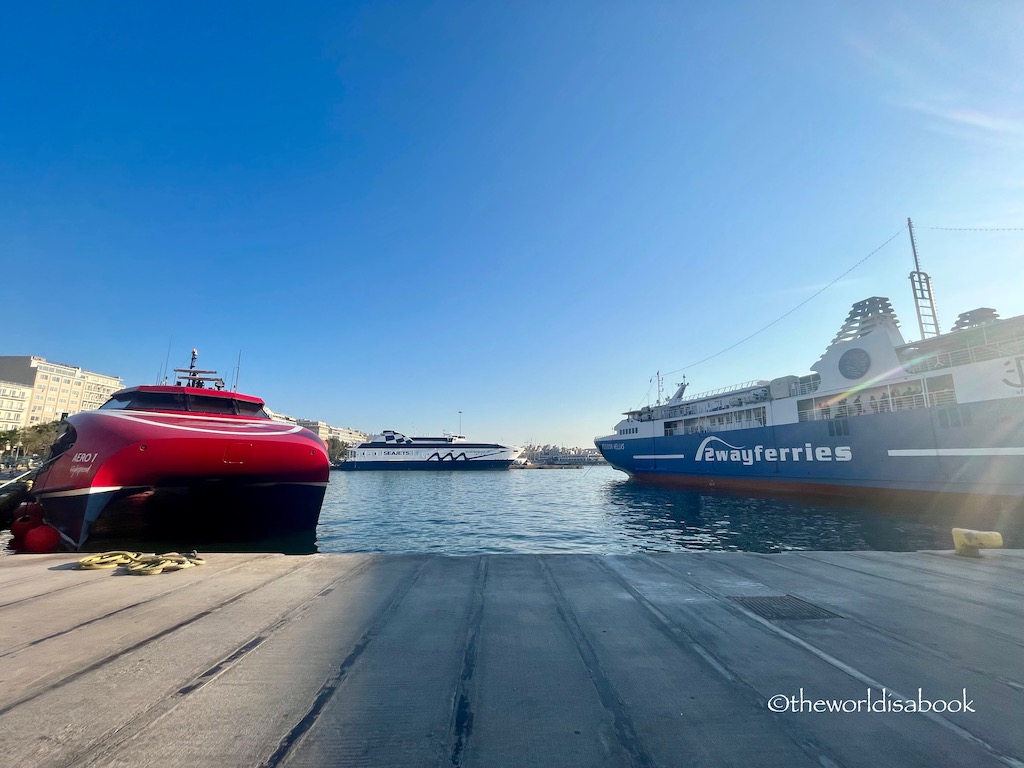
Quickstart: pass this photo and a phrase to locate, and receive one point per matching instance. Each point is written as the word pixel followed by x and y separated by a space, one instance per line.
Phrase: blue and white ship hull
pixel 940 416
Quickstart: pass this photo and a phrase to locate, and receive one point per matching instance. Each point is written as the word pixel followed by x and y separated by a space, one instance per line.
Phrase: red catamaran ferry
pixel 192 459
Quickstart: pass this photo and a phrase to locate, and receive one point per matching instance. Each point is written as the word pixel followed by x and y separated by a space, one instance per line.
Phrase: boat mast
pixel 193 377
pixel 924 299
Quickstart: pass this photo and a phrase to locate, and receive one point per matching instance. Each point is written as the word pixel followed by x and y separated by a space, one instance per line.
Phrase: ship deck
pixel 562 660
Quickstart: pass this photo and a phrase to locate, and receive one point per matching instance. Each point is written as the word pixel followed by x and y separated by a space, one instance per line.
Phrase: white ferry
pixel 392 450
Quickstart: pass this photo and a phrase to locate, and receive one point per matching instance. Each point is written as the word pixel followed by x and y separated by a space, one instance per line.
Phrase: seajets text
pixel 711 450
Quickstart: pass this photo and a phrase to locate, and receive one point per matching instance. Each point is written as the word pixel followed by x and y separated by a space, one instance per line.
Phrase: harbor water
pixel 598 510
pixel 593 510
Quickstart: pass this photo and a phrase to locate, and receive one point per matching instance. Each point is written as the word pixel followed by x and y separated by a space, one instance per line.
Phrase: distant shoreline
pixel 551 466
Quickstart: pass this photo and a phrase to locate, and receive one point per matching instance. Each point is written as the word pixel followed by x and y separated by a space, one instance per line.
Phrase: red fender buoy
pixel 34 509
pixel 42 539
pixel 22 525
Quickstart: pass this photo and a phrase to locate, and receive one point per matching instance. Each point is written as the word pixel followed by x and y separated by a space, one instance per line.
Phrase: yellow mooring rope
pixel 138 564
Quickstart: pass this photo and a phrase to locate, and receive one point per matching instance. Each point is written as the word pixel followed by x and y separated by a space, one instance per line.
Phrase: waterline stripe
pixel 958 452
pixel 85 491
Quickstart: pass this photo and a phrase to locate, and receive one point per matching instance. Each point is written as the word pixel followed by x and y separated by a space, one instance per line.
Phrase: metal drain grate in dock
pixel 776 607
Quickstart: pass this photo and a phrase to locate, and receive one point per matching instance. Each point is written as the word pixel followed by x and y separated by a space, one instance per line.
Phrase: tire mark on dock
pixel 332 683
pixel 99 663
pixel 946 656
pixel 109 614
pixel 152 715
pixel 842 666
pixel 921 588
pixel 964 577
pixel 625 730
pixel 461 726
pixel 47 593
pixel 685 640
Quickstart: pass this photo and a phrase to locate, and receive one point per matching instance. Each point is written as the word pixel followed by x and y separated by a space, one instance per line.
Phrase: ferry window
pixel 211 404
pixel 251 409
pixel 157 401
pixel 939 383
pixel 115 403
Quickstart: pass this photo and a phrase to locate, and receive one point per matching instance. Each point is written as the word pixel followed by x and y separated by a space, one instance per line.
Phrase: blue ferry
pixel 943 415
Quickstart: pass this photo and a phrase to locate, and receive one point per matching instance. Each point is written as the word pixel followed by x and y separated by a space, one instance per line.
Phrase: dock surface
pixel 514 660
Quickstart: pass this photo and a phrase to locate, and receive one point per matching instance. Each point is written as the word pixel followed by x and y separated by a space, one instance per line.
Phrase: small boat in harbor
pixel 878 415
pixel 185 460
pixel 392 450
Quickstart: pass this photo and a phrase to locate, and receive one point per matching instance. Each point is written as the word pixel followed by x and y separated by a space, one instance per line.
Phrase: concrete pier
pixel 517 660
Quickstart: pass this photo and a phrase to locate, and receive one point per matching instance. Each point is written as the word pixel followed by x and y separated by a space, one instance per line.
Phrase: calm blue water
pixel 599 510
pixel 596 510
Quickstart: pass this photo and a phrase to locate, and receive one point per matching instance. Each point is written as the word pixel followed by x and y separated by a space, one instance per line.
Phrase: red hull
pixel 183 472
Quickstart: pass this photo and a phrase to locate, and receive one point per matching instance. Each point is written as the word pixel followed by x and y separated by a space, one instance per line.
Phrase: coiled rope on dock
pixel 139 564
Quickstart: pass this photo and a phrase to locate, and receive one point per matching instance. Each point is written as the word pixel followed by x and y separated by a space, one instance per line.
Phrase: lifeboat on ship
pixel 185 460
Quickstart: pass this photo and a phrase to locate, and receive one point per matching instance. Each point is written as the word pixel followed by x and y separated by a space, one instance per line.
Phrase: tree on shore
pixel 36 439
pixel 336 449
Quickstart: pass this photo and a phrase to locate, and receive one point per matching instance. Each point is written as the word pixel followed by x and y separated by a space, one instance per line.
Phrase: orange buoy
pixel 22 525
pixel 41 539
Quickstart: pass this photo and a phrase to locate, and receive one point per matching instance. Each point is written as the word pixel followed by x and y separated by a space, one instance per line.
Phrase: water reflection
pixel 665 519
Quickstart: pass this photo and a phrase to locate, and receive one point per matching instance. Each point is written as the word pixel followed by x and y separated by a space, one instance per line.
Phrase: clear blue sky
pixel 520 211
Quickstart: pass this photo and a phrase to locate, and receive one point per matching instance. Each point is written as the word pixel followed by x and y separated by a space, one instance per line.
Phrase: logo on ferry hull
pixel 714 449
pixel 1019 383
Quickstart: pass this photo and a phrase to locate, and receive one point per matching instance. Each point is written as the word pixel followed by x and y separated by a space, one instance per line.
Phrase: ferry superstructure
pixel 392 450
pixel 944 415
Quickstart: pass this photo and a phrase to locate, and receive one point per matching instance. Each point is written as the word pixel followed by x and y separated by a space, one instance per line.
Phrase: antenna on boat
pixel 194 377
pixel 681 388
pixel 924 300
pixel 162 375
pixel 238 371
pixel 660 380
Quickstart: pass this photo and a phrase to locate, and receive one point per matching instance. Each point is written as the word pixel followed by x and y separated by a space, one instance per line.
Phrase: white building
pixel 56 389
pixel 14 401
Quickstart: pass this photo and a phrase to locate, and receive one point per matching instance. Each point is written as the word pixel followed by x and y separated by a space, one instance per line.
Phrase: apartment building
pixel 284 418
pixel 55 389
pixel 352 437
pixel 14 400
pixel 325 431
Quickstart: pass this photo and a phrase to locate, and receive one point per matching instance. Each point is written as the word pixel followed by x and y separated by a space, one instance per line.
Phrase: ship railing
pixel 956 357
pixel 726 390
pixel 895 402
pixel 807 387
